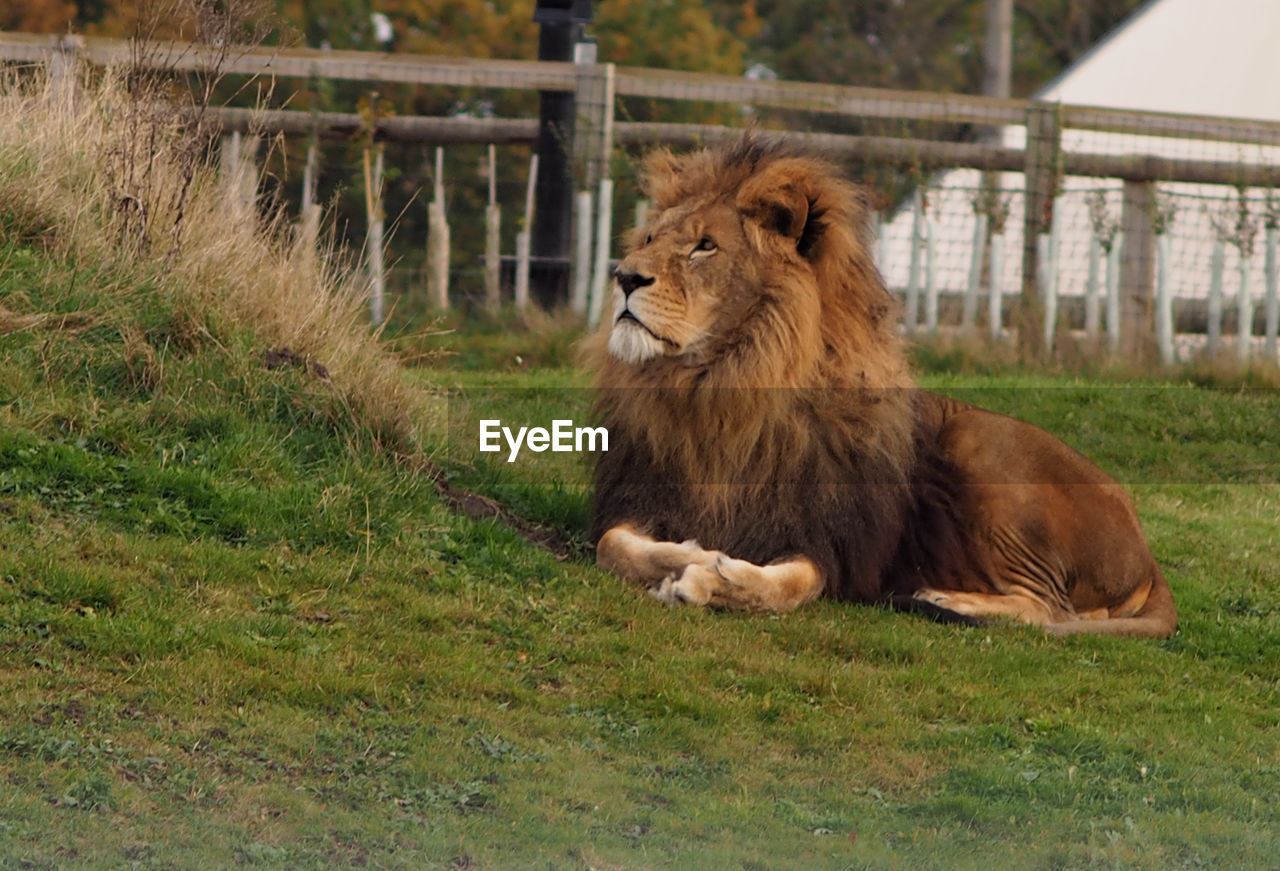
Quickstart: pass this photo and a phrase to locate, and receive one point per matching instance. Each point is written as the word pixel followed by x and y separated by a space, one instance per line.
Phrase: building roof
pixel 1197 57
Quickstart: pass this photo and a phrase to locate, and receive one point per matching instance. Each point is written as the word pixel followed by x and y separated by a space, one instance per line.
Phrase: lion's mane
pixel 802 432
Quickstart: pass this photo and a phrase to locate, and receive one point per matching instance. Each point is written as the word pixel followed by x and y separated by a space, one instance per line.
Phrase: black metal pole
pixel 562 25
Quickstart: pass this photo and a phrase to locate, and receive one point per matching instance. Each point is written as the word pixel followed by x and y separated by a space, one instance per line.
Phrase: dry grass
pixel 104 176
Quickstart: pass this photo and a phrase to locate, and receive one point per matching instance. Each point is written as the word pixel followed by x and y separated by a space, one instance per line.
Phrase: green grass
pixel 236 631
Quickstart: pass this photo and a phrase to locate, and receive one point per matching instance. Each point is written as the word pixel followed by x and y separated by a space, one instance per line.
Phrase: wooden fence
pixel 597 88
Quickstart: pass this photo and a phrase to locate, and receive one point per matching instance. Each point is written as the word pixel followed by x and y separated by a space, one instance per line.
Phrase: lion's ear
pixel 779 209
pixel 782 207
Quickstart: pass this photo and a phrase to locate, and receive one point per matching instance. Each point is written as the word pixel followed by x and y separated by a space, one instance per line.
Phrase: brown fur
pixel 758 402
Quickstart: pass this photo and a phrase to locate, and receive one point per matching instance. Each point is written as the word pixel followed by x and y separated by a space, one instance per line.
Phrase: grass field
pixel 238 628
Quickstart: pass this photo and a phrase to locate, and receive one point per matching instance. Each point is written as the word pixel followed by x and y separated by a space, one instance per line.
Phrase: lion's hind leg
pixel 1018 604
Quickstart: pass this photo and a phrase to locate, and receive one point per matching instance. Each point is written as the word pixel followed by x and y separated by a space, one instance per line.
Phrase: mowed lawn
pixel 232 635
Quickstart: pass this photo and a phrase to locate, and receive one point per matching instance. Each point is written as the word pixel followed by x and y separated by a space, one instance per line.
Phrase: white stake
pixel 604 236
pixel 1244 305
pixel 1217 266
pixel 581 253
pixel 995 290
pixel 642 213
pixel 930 282
pixel 1091 287
pixel 522 238
pixel 438 241
pixel 911 317
pixel 492 241
pixel 1113 291
pixel 373 237
pixel 974 288
pixel 1164 299
pixel 1273 301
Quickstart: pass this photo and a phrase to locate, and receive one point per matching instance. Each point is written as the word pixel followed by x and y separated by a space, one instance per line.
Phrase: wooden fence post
pixel 1044 148
pixel 1137 275
pixel 438 241
pixel 592 149
pixel 492 241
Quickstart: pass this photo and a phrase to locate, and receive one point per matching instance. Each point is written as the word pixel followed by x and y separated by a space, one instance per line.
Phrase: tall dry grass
pixel 123 180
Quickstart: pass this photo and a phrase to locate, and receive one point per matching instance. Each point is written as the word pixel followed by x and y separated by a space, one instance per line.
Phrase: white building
pixel 1209 57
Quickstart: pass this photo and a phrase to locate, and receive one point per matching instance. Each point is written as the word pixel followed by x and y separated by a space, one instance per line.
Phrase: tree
pixel 38 16
pixel 916 44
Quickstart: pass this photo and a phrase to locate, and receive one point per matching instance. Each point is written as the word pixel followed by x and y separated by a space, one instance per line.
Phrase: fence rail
pixel 629 81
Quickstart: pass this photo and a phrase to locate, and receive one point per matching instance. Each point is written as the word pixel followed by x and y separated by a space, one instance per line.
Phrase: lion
pixel 768 444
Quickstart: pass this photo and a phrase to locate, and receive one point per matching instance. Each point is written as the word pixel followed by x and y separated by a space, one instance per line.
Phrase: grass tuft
pixel 158 262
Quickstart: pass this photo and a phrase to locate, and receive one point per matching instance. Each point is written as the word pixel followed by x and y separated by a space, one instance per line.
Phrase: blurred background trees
pixel 916 44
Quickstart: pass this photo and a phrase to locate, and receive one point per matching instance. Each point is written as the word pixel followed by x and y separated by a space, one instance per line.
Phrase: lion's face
pixel 685 284
pixel 750 272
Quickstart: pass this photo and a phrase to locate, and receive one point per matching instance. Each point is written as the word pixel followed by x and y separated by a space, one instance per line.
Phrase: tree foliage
pixel 917 44
pixel 38 16
pixel 914 44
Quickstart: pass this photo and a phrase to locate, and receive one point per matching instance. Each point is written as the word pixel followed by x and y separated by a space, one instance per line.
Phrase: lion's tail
pixel 1157 618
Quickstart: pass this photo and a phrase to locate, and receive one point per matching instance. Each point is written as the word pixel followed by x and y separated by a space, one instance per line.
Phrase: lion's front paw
pixel 737 572
pixel 693 587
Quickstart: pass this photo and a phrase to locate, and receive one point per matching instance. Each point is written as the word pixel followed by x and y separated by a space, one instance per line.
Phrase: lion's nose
pixel 630 281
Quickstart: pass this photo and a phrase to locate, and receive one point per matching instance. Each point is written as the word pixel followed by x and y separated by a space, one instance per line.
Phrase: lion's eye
pixel 648 239
pixel 705 245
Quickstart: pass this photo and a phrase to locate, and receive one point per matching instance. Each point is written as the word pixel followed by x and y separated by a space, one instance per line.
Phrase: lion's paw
pixel 694 587
pixel 737 572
